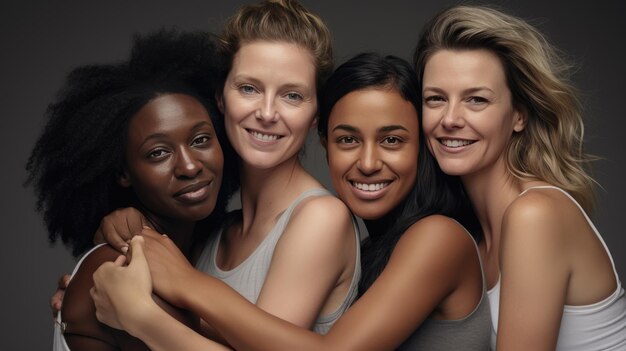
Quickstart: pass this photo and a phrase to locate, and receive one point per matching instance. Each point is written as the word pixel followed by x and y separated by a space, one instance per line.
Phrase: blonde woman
pixel 499 112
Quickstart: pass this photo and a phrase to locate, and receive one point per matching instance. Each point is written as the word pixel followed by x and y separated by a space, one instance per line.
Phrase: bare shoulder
pixel 78 310
pixel 320 224
pixel 539 217
pixel 438 236
pixel 322 211
pixel 439 229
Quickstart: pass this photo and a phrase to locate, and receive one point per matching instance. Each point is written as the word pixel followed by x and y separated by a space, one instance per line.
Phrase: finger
pixel 136 249
pixel 151 233
pixel 135 221
pixel 112 236
pixel 120 260
pixel 56 302
pixel 64 280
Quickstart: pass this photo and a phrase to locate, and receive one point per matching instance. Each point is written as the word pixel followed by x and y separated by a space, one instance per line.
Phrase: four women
pixel 490 86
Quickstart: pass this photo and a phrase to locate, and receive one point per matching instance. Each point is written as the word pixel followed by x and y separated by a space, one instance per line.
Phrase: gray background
pixel 42 41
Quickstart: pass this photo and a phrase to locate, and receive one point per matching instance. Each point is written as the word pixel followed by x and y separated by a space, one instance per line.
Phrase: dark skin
pixel 174 166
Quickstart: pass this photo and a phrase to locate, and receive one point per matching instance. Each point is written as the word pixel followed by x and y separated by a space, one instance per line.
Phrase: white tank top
pixel 599 326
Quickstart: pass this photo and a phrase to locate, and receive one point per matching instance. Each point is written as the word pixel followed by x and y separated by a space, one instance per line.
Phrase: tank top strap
pixel 314 192
pixel 593 227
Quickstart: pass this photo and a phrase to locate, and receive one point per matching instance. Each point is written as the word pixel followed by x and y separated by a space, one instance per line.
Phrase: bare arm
pixel 535 273
pixel 425 267
pixel 315 255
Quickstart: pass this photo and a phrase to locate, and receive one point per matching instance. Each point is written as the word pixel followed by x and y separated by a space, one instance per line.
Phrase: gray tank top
pixel 472 332
pixel 249 276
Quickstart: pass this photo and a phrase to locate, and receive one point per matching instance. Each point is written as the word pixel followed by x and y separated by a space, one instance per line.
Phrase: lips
pixel 194 193
pixel 369 190
pixel 455 143
pixel 263 136
pixel 370 186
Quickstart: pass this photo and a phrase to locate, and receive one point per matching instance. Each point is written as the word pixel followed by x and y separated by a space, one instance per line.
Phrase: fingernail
pixel 146 227
pixel 124 249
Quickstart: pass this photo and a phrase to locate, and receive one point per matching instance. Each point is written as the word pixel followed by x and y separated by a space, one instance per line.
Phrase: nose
pixel 267 112
pixel 453 116
pixel 187 165
pixel 369 161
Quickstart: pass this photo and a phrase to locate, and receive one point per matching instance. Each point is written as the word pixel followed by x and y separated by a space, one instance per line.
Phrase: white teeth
pixel 263 137
pixel 370 187
pixel 455 142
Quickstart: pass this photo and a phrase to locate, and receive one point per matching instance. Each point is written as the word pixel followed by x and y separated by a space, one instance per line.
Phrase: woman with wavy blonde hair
pixel 500 113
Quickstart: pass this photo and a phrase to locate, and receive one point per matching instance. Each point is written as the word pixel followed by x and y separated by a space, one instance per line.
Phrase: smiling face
pixel 174 161
pixel 469 116
pixel 372 145
pixel 269 102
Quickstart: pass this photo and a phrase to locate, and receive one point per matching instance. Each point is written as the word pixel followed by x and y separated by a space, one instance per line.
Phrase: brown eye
pixel 157 153
pixel 201 140
pixel 346 140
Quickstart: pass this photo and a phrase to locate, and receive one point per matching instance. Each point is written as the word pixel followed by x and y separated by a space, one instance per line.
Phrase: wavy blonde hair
pixel 550 148
pixel 280 20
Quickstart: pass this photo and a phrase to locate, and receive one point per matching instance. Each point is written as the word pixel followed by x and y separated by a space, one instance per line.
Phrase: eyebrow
pixel 384 129
pixel 466 91
pixel 158 135
pixel 292 85
pixel 346 127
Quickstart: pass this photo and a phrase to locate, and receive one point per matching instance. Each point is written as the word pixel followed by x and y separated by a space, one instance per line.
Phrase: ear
pixel 314 122
pixel 124 179
pixel 219 98
pixel 520 118
pixel 324 142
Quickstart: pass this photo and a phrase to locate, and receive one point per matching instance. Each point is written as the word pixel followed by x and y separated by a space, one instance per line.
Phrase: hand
pixel 56 301
pixel 119 226
pixel 169 268
pixel 121 293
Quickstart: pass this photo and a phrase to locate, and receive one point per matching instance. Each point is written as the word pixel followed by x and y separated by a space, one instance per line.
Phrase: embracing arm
pixel 425 267
pixel 534 275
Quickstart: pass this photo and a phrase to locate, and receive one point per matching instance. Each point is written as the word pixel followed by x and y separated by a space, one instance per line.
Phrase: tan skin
pixel 539 245
pixel 433 272
pixel 174 166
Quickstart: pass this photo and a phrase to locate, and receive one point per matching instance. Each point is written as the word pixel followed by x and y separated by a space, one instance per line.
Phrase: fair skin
pixel 538 245
pixel 269 102
pixel 433 271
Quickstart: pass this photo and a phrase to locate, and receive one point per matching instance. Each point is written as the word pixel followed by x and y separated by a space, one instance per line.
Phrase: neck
pixel 378 227
pixel 264 189
pixel 181 232
pixel 491 191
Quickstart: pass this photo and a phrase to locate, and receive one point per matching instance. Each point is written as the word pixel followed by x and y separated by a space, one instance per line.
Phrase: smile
pixel 454 143
pixel 264 137
pixel 370 187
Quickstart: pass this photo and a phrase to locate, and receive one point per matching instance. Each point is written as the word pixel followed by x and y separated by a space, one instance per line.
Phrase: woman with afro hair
pixel 145 133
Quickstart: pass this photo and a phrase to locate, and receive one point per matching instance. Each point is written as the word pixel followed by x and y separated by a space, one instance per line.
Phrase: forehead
pixel 258 56
pixel 167 112
pixel 371 109
pixel 464 67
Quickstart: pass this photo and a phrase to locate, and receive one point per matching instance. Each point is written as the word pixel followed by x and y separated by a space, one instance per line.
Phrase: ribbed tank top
pixel 249 276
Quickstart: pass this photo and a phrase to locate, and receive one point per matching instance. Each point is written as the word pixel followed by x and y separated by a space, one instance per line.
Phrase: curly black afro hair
pixel 76 161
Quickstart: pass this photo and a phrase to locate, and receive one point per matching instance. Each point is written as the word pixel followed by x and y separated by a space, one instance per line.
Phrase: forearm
pixel 241 323
pixel 161 332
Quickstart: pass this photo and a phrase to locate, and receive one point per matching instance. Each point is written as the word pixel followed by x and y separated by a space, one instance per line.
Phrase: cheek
pixel 338 165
